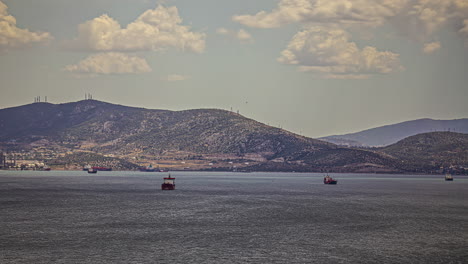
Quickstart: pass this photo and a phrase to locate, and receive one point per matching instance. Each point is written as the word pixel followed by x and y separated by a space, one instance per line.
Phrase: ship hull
pixel 331 182
pixel 102 169
pixel 147 170
pixel 166 186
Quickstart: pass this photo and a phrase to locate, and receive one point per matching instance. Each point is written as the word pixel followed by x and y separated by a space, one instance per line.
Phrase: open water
pixel 124 217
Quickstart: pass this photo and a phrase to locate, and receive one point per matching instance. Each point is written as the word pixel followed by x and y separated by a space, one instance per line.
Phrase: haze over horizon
pixel 313 67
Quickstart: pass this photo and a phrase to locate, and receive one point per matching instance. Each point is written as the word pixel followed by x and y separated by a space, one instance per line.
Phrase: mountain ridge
pixel 196 139
pixel 431 151
pixel 389 134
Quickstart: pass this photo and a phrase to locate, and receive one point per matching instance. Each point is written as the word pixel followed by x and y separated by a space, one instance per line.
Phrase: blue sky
pixel 313 67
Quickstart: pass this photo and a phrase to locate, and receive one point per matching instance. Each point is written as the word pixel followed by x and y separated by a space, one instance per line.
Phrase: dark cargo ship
pixel 101 168
pixel 169 183
pixel 149 168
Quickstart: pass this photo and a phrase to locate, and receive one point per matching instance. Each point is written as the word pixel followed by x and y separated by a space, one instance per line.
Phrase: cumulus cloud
pixel 332 55
pixel 154 30
pixel 13 37
pixel 422 18
pixel 222 31
pixel 109 63
pixel 431 47
pixel 241 35
pixel 371 12
pixel 244 35
pixel 176 77
pixel 328 53
pixel 417 19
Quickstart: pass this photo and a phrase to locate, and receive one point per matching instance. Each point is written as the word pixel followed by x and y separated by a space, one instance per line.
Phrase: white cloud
pixel 328 53
pixel 370 12
pixel 423 18
pixel 109 63
pixel 154 30
pixel 332 55
pixel 13 37
pixel 176 77
pixel 244 35
pixel 431 47
pixel 416 19
pixel 222 31
pixel 241 35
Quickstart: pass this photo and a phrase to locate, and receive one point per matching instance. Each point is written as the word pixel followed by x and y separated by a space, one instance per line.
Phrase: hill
pixel 386 135
pixel 431 151
pixel 190 139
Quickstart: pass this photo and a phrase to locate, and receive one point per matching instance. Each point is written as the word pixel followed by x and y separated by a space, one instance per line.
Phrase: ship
pixel 101 168
pixel 91 170
pixel 169 183
pixel 448 177
pixel 87 167
pixel 329 180
pixel 148 168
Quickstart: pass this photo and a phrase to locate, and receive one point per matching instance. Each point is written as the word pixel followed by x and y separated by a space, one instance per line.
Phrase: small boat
pixel 169 183
pixel 91 170
pixel 329 180
pixel 149 168
pixel 448 177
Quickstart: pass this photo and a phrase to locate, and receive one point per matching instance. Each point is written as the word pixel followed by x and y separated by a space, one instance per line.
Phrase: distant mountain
pixel 191 139
pixel 386 135
pixel 430 151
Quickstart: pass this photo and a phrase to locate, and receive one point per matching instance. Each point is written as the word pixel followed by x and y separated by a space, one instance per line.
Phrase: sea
pixel 227 217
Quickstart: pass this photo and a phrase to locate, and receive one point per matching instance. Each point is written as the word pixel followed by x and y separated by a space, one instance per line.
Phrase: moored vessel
pixel 169 183
pixel 448 177
pixel 101 168
pixel 91 170
pixel 329 180
pixel 148 168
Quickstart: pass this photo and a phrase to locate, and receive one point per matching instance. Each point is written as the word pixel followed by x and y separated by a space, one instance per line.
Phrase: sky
pixel 313 67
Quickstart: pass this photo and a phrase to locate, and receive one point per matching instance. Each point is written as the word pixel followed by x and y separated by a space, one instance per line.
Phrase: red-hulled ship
pixel 329 180
pixel 169 183
pixel 101 168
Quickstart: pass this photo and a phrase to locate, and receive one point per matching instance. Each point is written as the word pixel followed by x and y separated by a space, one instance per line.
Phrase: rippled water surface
pixel 124 217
